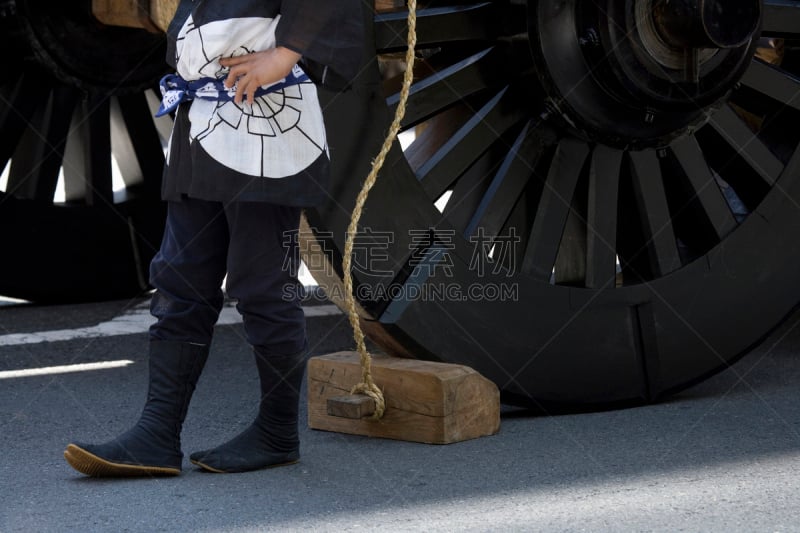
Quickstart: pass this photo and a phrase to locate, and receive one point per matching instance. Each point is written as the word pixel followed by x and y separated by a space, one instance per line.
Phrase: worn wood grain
pixel 427 402
pixel 353 406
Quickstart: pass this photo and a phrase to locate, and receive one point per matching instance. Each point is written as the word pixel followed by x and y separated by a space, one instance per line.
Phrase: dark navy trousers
pixel 255 243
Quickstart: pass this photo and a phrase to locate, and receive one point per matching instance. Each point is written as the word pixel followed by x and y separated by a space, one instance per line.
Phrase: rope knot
pixel 372 390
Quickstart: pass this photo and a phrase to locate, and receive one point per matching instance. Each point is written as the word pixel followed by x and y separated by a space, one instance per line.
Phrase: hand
pixel 252 71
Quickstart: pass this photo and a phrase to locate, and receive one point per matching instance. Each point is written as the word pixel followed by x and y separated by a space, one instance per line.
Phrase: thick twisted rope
pixel 367 385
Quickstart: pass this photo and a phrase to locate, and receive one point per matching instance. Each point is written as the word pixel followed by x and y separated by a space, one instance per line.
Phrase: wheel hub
pixel 706 23
pixel 640 72
pixel 69 43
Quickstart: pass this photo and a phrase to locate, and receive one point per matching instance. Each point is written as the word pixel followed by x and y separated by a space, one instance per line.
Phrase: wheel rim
pixel 686 210
pixel 72 233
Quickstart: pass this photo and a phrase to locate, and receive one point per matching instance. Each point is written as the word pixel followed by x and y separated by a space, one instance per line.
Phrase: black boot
pixel 271 440
pixel 153 445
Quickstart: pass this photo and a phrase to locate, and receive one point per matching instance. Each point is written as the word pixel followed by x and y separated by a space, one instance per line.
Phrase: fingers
pixel 251 95
pixel 233 61
pixel 235 73
pixel 240 77
pixel 239 91
pixel 230 81
pixel 240 73
pixel 246 90
pixel 246 73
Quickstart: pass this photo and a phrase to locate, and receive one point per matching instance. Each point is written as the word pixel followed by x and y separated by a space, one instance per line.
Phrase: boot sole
pixel 94 466
pixel 218 471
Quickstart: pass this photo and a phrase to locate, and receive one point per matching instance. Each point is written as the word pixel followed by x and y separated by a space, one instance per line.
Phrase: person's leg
pixel 187 274
pixel 262 275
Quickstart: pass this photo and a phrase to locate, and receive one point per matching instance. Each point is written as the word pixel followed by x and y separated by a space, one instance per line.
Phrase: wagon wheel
pixel 600 205
pixel 80 105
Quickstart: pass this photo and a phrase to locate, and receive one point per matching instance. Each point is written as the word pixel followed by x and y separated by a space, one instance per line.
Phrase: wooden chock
pixel 355 406
pixel 429 402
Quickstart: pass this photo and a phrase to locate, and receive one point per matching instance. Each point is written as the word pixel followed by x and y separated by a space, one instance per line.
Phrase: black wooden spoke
pixel 135 141
pixel 450 85
pixel 436 26
pixel 37 159
pixel 601 220
pixel 554 208
pixel 570 265
pixel 507 185
pixel 18 101
pixel 437 131
pixel 471 186
pixel 87 159
pixel 99 161
pixel 774 82
pixel 648 186
pixel 704 188
pixel 469 142
pixel 746 144
pixel 781 18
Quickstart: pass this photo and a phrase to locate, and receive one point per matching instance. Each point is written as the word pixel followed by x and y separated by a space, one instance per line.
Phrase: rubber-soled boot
pixel 153 445
pixel 271 440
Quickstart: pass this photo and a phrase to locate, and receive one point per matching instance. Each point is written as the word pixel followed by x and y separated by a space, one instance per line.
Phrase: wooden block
pixel 429 402
pixel 128 13
pixel 351 406
pixel 162 11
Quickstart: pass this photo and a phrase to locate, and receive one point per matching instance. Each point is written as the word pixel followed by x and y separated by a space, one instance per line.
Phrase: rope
pixel 367 385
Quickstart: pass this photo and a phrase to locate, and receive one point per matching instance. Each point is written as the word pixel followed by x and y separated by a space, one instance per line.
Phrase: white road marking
pixel 63 369
pixel 136 321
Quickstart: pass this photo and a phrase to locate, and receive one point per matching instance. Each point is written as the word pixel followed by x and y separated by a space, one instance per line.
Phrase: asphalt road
pixel 722 456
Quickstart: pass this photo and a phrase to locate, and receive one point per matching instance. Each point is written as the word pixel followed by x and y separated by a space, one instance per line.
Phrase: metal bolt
pixel 591 38
pixel 549 110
